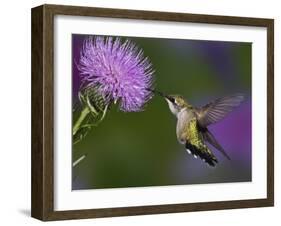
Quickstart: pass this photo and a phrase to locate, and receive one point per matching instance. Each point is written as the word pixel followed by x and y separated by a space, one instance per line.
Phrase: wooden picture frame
pixel 42 205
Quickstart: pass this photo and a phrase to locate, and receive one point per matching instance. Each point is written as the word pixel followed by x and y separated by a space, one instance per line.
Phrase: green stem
pixel 81 118
pixel 75 163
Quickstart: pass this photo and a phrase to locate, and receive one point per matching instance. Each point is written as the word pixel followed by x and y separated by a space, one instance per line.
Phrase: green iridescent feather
pixel 194 138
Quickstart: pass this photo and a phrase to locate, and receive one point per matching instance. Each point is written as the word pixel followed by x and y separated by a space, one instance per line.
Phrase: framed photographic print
pixel 141 112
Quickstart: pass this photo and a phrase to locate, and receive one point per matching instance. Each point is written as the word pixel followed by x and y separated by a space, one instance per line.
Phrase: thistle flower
pixel 117 70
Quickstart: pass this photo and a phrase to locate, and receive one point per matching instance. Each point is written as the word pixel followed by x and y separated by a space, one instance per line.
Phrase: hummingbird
pixel 192 123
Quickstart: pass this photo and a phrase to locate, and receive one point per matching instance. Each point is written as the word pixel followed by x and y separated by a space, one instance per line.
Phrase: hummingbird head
pixel 175 102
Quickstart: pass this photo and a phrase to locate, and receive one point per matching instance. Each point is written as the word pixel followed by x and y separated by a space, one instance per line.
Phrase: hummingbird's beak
pixel 158 93
pixel 167 97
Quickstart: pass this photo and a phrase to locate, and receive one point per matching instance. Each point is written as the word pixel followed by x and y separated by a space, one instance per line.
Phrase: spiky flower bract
pixel 118 70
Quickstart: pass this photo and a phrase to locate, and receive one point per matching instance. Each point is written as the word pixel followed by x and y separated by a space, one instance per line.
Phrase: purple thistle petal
pixel 118 70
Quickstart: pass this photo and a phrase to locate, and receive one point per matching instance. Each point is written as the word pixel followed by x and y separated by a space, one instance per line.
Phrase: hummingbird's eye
pixel 172 99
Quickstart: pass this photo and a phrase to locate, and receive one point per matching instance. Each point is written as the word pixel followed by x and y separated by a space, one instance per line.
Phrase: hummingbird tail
pixel 204 153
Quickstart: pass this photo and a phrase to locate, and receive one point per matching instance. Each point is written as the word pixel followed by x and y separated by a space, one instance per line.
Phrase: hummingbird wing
pixel 195 143
pixel 209 137
pixel 217 109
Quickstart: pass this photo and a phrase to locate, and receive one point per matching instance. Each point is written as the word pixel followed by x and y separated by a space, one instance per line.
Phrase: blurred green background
pixel 141 149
